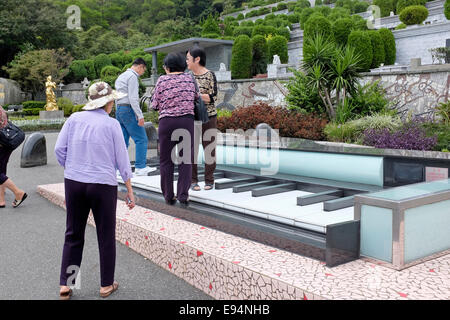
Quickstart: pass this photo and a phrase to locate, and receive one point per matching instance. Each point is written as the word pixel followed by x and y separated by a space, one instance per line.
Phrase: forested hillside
pixel 107 25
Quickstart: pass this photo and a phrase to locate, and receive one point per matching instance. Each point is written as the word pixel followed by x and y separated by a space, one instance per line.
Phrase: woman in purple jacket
pixel 174 97
pixel 91 147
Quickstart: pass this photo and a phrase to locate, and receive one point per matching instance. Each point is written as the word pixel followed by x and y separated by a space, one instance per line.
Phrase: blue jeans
pixel 130 128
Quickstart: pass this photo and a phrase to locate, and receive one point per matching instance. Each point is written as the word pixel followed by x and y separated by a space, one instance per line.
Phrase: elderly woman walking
pixel 91 147
pixel 174 97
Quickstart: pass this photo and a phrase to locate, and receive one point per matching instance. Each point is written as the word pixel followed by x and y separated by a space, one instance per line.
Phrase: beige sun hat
pixel 100 93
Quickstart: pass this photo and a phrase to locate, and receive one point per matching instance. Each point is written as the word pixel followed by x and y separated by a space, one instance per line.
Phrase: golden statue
pixel 51 98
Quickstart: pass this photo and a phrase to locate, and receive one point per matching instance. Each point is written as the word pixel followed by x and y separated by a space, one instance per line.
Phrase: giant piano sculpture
pixel 300 199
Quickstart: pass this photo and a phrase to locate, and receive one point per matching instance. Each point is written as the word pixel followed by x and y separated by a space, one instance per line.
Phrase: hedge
pixel 316 23
pixel 278 46
pixel 413 15
pixel 284 32
pixel 109 74
pixel 360 40
pixel 389 46
pixel 243 31
pixel 260 52
pixel 100 61
pixel 378 48
pixel 304 15
pixel 341 29
pixel 241 58
pixel 402 4
pixel 34 104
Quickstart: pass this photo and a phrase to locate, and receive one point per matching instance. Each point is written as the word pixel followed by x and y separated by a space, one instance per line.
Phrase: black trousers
pixel 5 153
pixel 80 199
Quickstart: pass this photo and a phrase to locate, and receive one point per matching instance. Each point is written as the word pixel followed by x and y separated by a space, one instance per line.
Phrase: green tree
pixel 402 4
pixel 241 58
pixel 101 61
pixel 389 45
pixel 37 22
pixel 378 48
pixel 260 55
pixel 31 69
pixel 360 40
pixel 316 23
pixel 278 46
pixel 210 26
pixel 341 30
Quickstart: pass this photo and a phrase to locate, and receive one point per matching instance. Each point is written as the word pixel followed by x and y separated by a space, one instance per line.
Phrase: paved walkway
pixel 31 241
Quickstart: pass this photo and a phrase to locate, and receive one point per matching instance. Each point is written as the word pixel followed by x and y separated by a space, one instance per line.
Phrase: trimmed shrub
pixel 316 23
pixel 447 9
pixel 118 59
pixel 77 71
pixel 378 48
pixel 304 15
pixel 243 31
pixel 66 105
pixel 34 104
pixel 101 61
pixel 109 74
pixel 289 123
pixel 341 29
pixel 260 55
pixel 278 45
pixel 401 26
pixel 413 15
pixel 241 58
pixel 295 18
pixel 303 4
pixel 402 4
pixel 240 16
pixel 282 6
pixel 386 6
pixel 360 40
pixel 338 13
pixel 284 32
pixel 259 30
pixel 359 23
pixel 389 46
pixel 325 10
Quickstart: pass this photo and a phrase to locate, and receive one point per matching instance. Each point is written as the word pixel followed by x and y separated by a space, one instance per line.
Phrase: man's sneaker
pixel 143 171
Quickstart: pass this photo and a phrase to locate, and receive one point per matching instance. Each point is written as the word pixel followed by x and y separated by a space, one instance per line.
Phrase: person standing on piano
pixel 207 83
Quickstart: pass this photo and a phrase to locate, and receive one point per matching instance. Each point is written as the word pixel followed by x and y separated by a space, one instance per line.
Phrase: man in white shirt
pixel 129 114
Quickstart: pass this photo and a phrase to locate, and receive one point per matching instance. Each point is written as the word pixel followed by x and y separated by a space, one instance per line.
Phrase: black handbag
pixel 11 136
pixel 200 111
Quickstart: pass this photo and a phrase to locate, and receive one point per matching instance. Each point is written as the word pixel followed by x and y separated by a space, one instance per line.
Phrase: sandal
pixel 114 286
pixel 195 187
pixel 208 186
pixel 16 202
pixel 65 295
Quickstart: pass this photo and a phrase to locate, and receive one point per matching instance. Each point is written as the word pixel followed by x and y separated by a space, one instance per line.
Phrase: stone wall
pixel 419 90
pixel 415 41
pixel 10 92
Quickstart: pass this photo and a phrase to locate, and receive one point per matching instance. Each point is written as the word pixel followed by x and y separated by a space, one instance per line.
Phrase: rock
pixel 152 135
pixel 34 151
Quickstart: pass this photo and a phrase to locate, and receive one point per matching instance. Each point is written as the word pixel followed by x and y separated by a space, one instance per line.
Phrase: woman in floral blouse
pixel 207 83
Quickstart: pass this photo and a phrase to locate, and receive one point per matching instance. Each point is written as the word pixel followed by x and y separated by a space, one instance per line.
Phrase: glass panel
pixel 413 190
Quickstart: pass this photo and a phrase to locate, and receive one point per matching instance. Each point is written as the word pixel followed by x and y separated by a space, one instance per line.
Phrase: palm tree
pixel 330 69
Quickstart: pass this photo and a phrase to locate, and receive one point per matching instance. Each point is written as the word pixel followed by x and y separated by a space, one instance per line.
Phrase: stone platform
pixel 228 267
